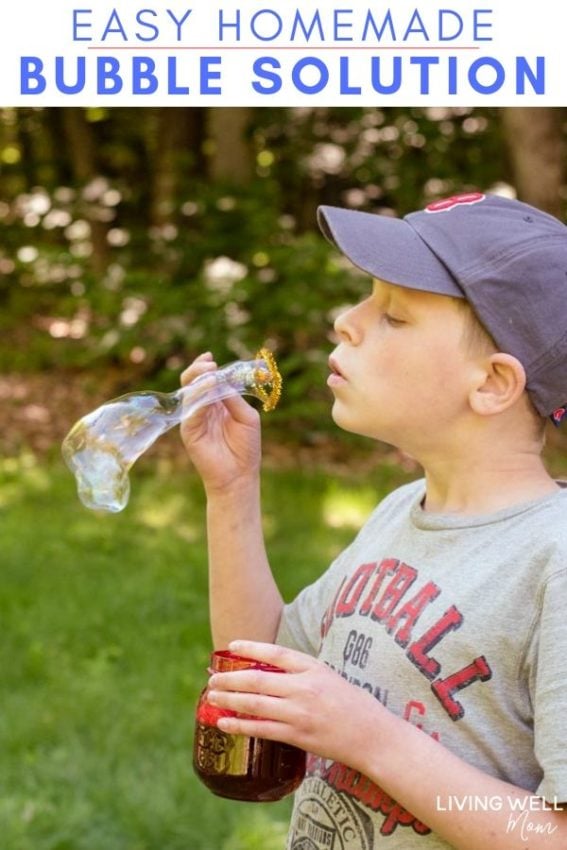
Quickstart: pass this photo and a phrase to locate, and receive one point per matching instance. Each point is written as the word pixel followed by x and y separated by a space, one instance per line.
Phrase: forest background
pixel 132 239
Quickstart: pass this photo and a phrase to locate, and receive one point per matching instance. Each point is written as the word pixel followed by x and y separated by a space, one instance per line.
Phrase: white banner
pixel 280 53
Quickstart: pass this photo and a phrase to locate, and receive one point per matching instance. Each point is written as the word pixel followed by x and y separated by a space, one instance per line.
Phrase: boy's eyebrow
pixel 391 292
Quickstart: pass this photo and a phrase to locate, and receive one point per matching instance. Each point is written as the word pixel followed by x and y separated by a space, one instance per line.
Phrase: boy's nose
pixel 345 325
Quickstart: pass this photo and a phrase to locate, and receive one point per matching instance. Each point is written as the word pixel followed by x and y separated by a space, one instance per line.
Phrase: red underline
pixel 221 48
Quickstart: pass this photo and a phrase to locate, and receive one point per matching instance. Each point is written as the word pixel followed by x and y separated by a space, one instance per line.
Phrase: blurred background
pixel 131 240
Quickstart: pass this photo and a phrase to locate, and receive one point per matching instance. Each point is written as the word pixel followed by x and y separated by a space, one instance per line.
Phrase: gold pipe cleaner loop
pixel 269 388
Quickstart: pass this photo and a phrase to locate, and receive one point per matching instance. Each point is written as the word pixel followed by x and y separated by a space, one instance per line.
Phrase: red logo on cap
pixel 454 201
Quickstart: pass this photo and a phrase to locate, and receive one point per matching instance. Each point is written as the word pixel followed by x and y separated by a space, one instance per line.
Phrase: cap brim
pixel 387 248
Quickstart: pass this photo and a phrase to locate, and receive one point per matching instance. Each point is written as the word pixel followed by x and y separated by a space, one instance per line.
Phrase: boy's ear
pixel 502 383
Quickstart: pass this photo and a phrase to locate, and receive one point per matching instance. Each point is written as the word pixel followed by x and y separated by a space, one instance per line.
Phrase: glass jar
pixel 238 766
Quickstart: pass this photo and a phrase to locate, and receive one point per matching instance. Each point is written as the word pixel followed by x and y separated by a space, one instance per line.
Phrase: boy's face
pixel 400 372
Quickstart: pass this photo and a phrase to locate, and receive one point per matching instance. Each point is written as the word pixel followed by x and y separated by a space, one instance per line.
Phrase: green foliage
pixel 104 651
pixel 94 272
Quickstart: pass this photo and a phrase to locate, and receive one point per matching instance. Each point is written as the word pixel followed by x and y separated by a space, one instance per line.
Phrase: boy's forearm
pixel 244 599
pixel 465 806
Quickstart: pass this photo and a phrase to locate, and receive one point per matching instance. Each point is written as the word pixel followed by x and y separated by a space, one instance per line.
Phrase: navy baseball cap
pixel 507 258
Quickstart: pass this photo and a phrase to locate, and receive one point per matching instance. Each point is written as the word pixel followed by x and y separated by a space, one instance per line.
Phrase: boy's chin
pixel 348 423
pixel 340 418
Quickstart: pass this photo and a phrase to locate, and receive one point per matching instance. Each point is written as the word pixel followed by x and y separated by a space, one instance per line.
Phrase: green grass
pixel 104 647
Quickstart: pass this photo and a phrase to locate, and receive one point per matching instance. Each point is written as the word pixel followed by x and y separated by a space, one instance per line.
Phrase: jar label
pixel 219 753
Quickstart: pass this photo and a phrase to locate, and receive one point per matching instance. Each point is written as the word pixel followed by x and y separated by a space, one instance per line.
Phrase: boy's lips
pixel 336 375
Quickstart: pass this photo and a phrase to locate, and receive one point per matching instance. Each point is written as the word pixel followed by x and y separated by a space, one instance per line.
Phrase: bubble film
pixel 102 446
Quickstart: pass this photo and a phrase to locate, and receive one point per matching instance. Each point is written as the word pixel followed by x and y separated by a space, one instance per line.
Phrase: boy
pixel 427 668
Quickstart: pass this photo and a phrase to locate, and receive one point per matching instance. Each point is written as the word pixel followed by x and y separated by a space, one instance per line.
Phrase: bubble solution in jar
pixel 238 766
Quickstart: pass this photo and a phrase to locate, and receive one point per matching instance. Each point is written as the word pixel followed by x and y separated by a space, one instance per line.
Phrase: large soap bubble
pixel 102 446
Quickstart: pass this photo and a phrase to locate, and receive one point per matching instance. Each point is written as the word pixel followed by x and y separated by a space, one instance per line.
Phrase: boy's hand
pixel 314 708
pixel 311 706
pixel 223 438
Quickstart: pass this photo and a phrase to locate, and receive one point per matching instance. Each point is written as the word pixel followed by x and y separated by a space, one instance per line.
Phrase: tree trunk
pixel 165 166
pixel 176 152
pixel 535 140
pixel 231 157
pixel 81 147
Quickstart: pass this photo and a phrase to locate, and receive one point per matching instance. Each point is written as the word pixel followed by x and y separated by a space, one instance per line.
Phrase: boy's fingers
pixel 240 410
pixel 203 363
pixel 249 682
pixel 269 729
pixel 270 653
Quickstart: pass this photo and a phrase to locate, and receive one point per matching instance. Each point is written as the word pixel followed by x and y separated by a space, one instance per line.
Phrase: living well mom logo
pixel 525 814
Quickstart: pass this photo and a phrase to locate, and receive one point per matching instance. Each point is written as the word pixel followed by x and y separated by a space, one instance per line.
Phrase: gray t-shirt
pixel 458 624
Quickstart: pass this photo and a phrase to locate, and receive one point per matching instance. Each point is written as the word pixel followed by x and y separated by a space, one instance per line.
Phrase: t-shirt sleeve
pixel 550 689
pixel 302 620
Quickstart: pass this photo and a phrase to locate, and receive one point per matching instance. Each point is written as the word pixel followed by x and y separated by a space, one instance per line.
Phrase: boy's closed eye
pixel 394 321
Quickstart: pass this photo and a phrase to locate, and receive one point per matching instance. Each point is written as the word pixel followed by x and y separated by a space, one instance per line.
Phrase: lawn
pixel 104 648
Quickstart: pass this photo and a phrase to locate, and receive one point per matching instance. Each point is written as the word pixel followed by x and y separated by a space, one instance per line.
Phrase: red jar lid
pixel 224 661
